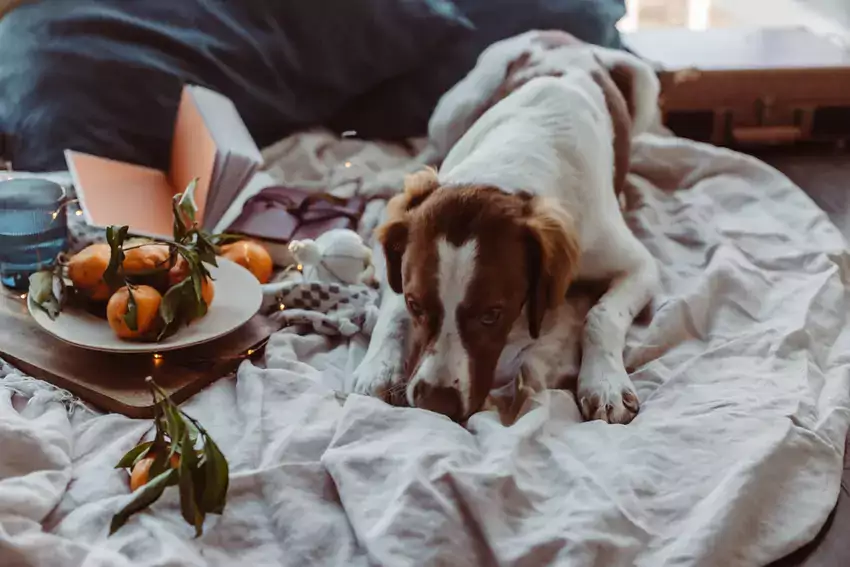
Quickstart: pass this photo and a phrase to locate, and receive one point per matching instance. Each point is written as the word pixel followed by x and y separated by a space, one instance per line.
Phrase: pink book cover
pixel 118 193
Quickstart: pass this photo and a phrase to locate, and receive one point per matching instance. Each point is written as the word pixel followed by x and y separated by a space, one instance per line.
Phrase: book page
pixel 238 155
pixel 193 152
pixel 225 125
pixel 117 193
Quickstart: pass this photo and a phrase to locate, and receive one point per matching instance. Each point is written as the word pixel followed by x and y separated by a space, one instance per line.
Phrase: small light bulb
pixel 348 164
pixel 281 307
pixel 23 296
pixel 299 267
pixel 157 356
pixel 78 213
pixel 250 352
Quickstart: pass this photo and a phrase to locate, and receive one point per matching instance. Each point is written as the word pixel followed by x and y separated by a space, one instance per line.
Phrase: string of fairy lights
pixel 67 203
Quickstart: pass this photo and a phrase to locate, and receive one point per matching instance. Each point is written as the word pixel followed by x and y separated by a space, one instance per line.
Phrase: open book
pixel 210 142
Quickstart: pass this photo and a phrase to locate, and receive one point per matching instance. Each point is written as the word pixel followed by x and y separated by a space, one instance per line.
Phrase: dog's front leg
pixel 381 372
pixel 605 390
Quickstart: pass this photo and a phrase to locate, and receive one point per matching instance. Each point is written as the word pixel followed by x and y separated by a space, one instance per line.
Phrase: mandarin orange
pixel 252 256
pixel 86 268
pixel 148 301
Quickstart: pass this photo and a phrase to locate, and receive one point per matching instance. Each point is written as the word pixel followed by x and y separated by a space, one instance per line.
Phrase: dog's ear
pixel 394 232
pixel 623 78
pixel 553 255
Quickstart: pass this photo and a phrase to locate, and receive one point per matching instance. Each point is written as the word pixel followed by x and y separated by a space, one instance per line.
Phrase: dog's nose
pixel 438 399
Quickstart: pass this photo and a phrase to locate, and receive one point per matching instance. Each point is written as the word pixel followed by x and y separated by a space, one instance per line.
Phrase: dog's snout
pixel 438 399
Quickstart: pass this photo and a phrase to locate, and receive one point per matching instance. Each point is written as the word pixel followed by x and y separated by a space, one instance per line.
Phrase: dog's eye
pixel 414 308
pixel 491 316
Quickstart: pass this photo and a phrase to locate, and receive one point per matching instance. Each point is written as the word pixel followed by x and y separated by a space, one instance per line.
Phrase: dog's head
pixel 469 261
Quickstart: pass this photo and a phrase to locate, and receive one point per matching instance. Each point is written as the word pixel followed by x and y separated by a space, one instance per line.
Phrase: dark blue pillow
pixel 104 76
pixel 401 107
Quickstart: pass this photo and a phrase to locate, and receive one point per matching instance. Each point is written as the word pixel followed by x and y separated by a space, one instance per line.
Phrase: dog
pixel 534 145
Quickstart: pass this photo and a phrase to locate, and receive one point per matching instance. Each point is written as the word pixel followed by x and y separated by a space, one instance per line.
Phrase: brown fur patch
pixel 621 118
pixel 394 232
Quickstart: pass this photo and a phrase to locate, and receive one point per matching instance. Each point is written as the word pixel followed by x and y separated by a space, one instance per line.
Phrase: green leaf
pixel 41 286
pixel 206 250
pixel 161 463
pixel 184 211
pixel 179 229
pixel 169 308
pixel 176 427
pixel 195 275
pixel 187 200
pixel 41 291
pixel 172 309
pixel 197 285
pixel 184 302
pixel 115 237
pixel 217 478
pixel 134 455
pixel 143 498
pixel 159 440
pixel 188 465
pixel 199 479
pixel 193 433
pixel 131 318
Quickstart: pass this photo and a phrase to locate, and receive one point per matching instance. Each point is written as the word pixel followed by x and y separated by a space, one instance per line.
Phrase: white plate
pixel 238 297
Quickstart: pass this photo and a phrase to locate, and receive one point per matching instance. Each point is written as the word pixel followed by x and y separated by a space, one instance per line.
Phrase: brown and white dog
pixel 479 256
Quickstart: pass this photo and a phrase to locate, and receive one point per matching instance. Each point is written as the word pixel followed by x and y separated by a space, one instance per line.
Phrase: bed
pixel 735 459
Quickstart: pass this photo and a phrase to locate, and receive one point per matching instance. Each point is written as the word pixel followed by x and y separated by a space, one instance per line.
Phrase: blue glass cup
pixel 33 228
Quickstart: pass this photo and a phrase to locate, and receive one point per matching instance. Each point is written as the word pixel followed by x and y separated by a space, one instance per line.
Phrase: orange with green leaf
pixel 181 454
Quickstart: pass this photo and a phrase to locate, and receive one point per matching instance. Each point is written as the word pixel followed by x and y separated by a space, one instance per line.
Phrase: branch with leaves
pixel 182 454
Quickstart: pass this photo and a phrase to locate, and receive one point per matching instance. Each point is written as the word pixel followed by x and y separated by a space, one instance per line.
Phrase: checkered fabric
pixel 326 308
pixel 315 296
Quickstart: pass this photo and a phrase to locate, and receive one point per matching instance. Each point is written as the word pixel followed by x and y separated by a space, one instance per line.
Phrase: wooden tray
pixel 116 382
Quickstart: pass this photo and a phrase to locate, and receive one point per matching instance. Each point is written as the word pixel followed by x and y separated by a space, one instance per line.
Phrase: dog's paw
pixel 613 400
pixel 384 380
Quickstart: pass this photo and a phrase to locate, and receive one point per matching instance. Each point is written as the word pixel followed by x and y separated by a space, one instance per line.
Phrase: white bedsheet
pixel 735 458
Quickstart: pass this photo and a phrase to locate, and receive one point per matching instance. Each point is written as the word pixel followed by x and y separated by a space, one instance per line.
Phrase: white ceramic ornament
pixel 337 256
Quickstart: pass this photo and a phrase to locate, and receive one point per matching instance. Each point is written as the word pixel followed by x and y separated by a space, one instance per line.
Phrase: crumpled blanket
pixel 735 459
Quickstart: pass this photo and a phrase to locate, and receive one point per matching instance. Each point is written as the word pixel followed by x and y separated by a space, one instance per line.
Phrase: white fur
pixel 457 109
pixel 554 137
pixel 447 358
